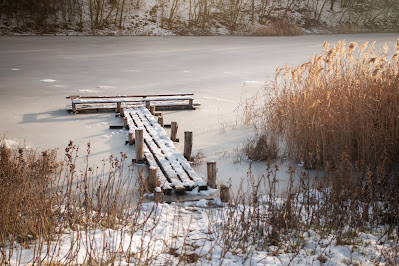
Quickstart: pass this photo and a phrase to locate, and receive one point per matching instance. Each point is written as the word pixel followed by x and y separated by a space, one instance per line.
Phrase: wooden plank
pixel 164 182
pixel 127 96
pixel 163 163
pixel 170 152
pixel 180 158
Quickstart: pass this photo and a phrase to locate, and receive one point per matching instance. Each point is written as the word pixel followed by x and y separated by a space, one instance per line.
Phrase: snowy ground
pixel 37 73
pixel 188 234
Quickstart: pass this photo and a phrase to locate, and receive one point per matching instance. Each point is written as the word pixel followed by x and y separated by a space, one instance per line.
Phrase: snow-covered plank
pixel 164 183
pixel 170 152
pixel 165 143
pixel 162 161
pixel 122 100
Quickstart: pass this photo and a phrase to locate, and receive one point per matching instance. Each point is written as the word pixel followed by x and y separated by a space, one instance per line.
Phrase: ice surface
pixel 35 112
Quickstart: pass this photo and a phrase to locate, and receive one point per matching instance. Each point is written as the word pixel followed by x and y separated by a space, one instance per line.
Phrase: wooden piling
pixel 131 138
pixel 139 143
pixel 173 132
pixel 211 172
pixel 148 105
pixel 152 181
pixel 152 110
pixel 118 107
pixel 191 104
pixel 125 124
pixel 188 144
pixel 224 193
pixel 158 195
pixel 160 121
pixel 74 107
pixel 121 111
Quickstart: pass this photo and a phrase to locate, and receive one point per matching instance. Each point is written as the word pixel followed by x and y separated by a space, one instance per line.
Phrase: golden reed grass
pixel 343 101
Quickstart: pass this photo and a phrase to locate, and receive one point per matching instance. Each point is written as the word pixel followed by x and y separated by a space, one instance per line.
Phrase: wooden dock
pixel 160 152
pixel 175 101
pixel 168 170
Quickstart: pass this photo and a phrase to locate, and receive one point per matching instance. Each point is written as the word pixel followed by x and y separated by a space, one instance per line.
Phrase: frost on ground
pixel 172 234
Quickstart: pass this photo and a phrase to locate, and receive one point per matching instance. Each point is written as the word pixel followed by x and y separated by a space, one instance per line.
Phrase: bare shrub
pixel 276 27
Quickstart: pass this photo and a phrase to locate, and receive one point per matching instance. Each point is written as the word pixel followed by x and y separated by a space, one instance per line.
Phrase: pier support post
pixel 118 107
pixel 121 111
pixel 152 110
pixel 160 121
pixel 139 143
pixel 158 195
pixel 211 172
pixel 73 107
pixel 148 105
pixel 125 124
pixel 131 138
pixel 191 104
pixel 224 193
pixel 188 144
pixel 173 132
pixel 152 181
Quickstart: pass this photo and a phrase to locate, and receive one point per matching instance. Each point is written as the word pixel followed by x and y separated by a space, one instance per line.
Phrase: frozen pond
pixel 36 73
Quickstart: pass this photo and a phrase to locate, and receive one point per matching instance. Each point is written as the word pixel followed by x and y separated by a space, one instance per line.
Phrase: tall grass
pixel 345 101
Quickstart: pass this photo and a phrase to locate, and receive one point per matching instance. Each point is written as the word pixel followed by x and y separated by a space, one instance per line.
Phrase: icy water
pixel 36 73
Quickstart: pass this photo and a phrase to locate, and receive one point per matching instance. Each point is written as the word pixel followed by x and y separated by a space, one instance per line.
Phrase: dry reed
pixel 343 101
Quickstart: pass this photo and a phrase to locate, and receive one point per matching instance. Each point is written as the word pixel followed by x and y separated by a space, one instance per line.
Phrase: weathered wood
pixel 139 143
pixel 160 121
pixel 152 181
pixel 74 107
pixel 224 193
pixel 118 107
pixel 191 104
pixel 131 138
pixel 125 124
pixel 152 110
pixel 211 172
pixel 173 132
pixel 188 145
pixel 121 111
pixel 148 105
pixel 158 195
pixel 127 96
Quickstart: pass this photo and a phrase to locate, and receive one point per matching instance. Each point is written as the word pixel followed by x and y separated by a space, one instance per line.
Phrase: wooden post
pixel 211 171
pixel 173 132
pixel 125 124
pixel 148 105
pixel 224 193
pixel 152 181
pixel 188 144
pixel 191 104
pixel 121 111
pixel 160 121
pixel 158 195
pixel 74 107
pixel 152 110
pixel 131 138
pixel 139 143
pixel 118 107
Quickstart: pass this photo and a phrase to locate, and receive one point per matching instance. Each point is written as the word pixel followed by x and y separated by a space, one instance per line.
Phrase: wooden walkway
pixel 159 150
pixel 115 103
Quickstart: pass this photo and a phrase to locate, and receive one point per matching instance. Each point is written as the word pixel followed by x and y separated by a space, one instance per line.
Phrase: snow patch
pixel 15 69
pixel 48 80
